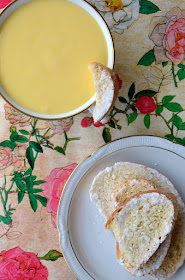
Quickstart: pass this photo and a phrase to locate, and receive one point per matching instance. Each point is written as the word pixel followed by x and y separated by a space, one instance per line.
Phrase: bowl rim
pixel 91 101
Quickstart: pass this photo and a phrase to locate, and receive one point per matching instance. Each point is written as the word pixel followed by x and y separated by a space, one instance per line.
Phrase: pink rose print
pixel 9 162
pixel 146 105
pixel 59 126
pixel 168 34
pixel 42 124
pixel 53 187
pixel 15 117
pixel 20 150
pixel 15 264
pixel 4 3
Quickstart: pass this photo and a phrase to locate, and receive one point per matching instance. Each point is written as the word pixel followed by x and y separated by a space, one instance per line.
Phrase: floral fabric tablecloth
pixel 37 157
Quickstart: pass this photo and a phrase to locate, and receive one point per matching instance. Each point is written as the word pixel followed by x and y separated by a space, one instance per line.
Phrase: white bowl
pixel 110 46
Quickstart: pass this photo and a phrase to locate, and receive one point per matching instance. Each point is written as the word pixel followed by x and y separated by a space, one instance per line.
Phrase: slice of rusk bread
pixel 153 263
pixel 176 254
pixel 141 224
pixel 107 89
pixel 106 181
pixel 101 193
pixel 127 189
pixel 131 187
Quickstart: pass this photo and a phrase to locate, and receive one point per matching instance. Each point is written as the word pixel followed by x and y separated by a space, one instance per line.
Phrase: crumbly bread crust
pixel 127 189
pixel 176 254
pixel 170 196
pixel 131 187
pixel 153 263
pixel 106 182
pixel 107 88
pixel 145 218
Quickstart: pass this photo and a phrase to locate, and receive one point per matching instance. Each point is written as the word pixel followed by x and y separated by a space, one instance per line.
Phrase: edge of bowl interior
pixel 110 45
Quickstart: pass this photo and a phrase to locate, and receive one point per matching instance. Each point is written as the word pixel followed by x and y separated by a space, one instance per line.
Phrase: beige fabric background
pixel 35 231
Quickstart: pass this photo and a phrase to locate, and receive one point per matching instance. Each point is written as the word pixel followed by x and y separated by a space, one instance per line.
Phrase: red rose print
pixel 16 264
pixel 146 105
pixel 99 123
pixel 4 3
pixel 119 81
pixel 86 122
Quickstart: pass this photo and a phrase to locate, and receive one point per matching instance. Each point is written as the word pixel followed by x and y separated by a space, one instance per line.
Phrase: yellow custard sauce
pixel 45 49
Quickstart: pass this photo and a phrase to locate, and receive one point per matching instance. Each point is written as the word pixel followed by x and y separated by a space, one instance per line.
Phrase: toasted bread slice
pixel 131 187
pixel 141 224
pixel 127 189
pixel 176 254
pixel 153 263
pixel 105 183
pixel 107 88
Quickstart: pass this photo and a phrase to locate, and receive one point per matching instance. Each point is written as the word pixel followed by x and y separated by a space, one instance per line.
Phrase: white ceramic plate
pixel 87 246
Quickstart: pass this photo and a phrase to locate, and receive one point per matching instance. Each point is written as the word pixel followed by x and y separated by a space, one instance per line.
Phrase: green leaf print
pixel 147 121
pixel 159 109
pixel 8 144
pixel 36 147
pixel 29 183
pixel 111 124
pixel 18 138
pixel 60 150
pixel 36 190
pixel 181 74
pixel 131 91
pixel 147 7
pixel 28 172
pixel 167 99
pixel 181 66
pixel 33 202
pixel 106 135
pixel 182 127
pixel 131 117
pixel 21 186
pixel 146 92
pixel 30 157
pixel 164 63
pixel 39 182
pixel 169 137
pixel 20 196
pixel 177 121
pixel 122 99
pixel 52 255
pixel 147 59
pixel 7 220
pixel 42 199
pixel 25 132
pixel 178 140
pixel 173 107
